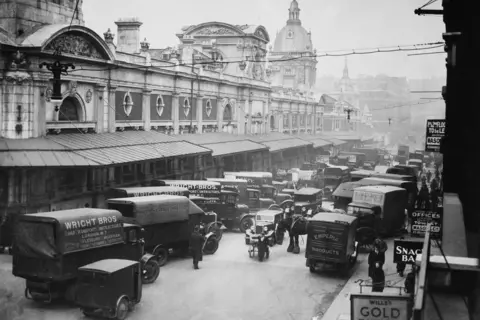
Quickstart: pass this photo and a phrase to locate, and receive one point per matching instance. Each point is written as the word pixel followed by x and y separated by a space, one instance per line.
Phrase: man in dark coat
pixel 375 257
pixel 378 278
pixel 410 280
pixel 196 246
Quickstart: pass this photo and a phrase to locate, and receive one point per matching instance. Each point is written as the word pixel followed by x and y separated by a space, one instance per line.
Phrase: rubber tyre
pixel 122 309
pixel 211 246
pixel 150 271
pixel 89 312
pixel 245 224
pixel 162 256
pixel 312 269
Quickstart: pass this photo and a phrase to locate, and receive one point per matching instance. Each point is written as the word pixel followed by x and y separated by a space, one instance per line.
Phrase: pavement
pixel 229 285
pixel 340 307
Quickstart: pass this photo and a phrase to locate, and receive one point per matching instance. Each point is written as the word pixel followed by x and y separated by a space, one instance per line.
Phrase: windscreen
pixel 126 209
pixel 303 198
pixel 36 240
pixel 333 172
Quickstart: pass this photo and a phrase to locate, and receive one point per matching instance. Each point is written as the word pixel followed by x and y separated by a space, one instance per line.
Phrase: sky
pixel 335 25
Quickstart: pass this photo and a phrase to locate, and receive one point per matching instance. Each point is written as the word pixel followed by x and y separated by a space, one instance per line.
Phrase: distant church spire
pixel 345 69
pixel 294 12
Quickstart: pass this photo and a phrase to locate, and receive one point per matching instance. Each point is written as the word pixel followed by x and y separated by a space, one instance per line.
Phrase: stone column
pixel 290 122
pixel 266 118
pixel 249 120
pixel 39 115
pixel 220 110
pixel 98 106
pixel 111 105
pixel 200 114
pixel 175 111
pixel 146 109
pixel 241 128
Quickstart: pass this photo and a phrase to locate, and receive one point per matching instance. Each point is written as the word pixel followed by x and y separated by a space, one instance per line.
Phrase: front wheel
pixel 312 268
pixel 150 271
pixel 215 228
pixel 245 224
pixel 211 246
pixel 122 309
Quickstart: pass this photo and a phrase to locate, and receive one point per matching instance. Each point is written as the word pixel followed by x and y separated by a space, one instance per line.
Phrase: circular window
pixel 290 34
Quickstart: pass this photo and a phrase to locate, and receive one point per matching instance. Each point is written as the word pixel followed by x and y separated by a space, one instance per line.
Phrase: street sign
pixel 420 219
pixel 406 250
pixel 380 307
pixel 435 133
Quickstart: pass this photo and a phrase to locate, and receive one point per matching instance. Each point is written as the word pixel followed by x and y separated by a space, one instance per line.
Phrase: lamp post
pixel 57 68
pixel 389 121
pixel 347 109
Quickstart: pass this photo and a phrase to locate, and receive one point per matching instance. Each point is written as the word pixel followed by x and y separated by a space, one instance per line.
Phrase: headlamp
pixel 303 209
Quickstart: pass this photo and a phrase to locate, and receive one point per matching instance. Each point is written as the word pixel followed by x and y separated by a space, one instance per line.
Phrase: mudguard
pixel 146 257
pixel 246 215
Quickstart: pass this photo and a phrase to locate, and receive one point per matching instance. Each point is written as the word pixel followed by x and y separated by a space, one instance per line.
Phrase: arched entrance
pixel 227 119
pixel 70 110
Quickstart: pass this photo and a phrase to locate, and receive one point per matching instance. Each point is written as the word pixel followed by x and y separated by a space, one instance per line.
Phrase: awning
pixel 31 158
pixel 79 149
pixel 348 138
pixel 335 141
pixel 281 145
pixel 234 147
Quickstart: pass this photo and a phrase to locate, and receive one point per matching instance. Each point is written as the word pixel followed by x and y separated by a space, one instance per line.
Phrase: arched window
pixel 272 122
pixel 70 110
pixel 227 113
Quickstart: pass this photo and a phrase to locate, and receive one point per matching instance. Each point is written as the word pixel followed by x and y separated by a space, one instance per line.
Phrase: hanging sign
pixel 406 250
pixel 379 307
pixel 435 133
pixel 420 219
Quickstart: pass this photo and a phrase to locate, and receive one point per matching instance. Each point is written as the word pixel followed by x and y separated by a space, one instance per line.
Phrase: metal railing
pixel 421 282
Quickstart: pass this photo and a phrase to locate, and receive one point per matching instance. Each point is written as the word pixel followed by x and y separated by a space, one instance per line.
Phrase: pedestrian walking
pixel 401 265
pixel 378 278
pixel 410 280
pixel 375 257
pixel 196 246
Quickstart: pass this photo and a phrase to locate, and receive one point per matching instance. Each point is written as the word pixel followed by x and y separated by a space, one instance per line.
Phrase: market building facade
pixel 127 114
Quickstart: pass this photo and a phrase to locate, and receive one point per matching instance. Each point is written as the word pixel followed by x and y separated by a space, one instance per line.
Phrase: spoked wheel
pixel 162 255
pixel 245 224
pixel 150 271
pixel 122 309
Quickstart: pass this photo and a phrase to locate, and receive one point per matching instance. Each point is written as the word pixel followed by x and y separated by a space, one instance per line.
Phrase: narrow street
pixel 229 285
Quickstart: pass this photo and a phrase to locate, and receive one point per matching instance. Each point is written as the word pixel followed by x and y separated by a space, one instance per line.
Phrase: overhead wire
pixel 390 49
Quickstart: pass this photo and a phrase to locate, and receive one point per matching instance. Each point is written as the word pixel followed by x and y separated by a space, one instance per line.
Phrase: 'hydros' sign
pixel 379 307
pixel 406 250
pixel 435 133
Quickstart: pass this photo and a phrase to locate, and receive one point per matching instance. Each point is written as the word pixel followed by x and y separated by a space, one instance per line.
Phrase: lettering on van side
pixel 85 223
pixel 326 251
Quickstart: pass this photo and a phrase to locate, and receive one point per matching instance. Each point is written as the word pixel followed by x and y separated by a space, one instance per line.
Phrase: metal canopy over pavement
pixel 279 141
pixel 317 140
pixel 234 147
pixel 39 152
pixel 223 144
pixel 336 142
pixel 76 149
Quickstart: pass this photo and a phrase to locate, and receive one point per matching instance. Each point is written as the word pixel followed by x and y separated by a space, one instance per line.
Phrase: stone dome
pixel 293 37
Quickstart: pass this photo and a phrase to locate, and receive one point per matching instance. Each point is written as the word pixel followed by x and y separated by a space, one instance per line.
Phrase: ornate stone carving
pixel 257 72
pixel 224 102
pixel 88 96
pixel 260 34
pixel 72 88
pixel 127 103
pixel 215 31
pixel 18 60
pixel 76 45
pixel 48 93
pixel 242 27
pixel 208 108
pixel 160 106
pixel 18 77
pixel 186 107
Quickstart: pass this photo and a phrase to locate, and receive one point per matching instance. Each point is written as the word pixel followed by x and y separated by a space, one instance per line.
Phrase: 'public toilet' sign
pixel 435 133
pixel 379 307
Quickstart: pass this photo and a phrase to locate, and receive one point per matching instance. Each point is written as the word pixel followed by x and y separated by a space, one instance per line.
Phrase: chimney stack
pixel 128 35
